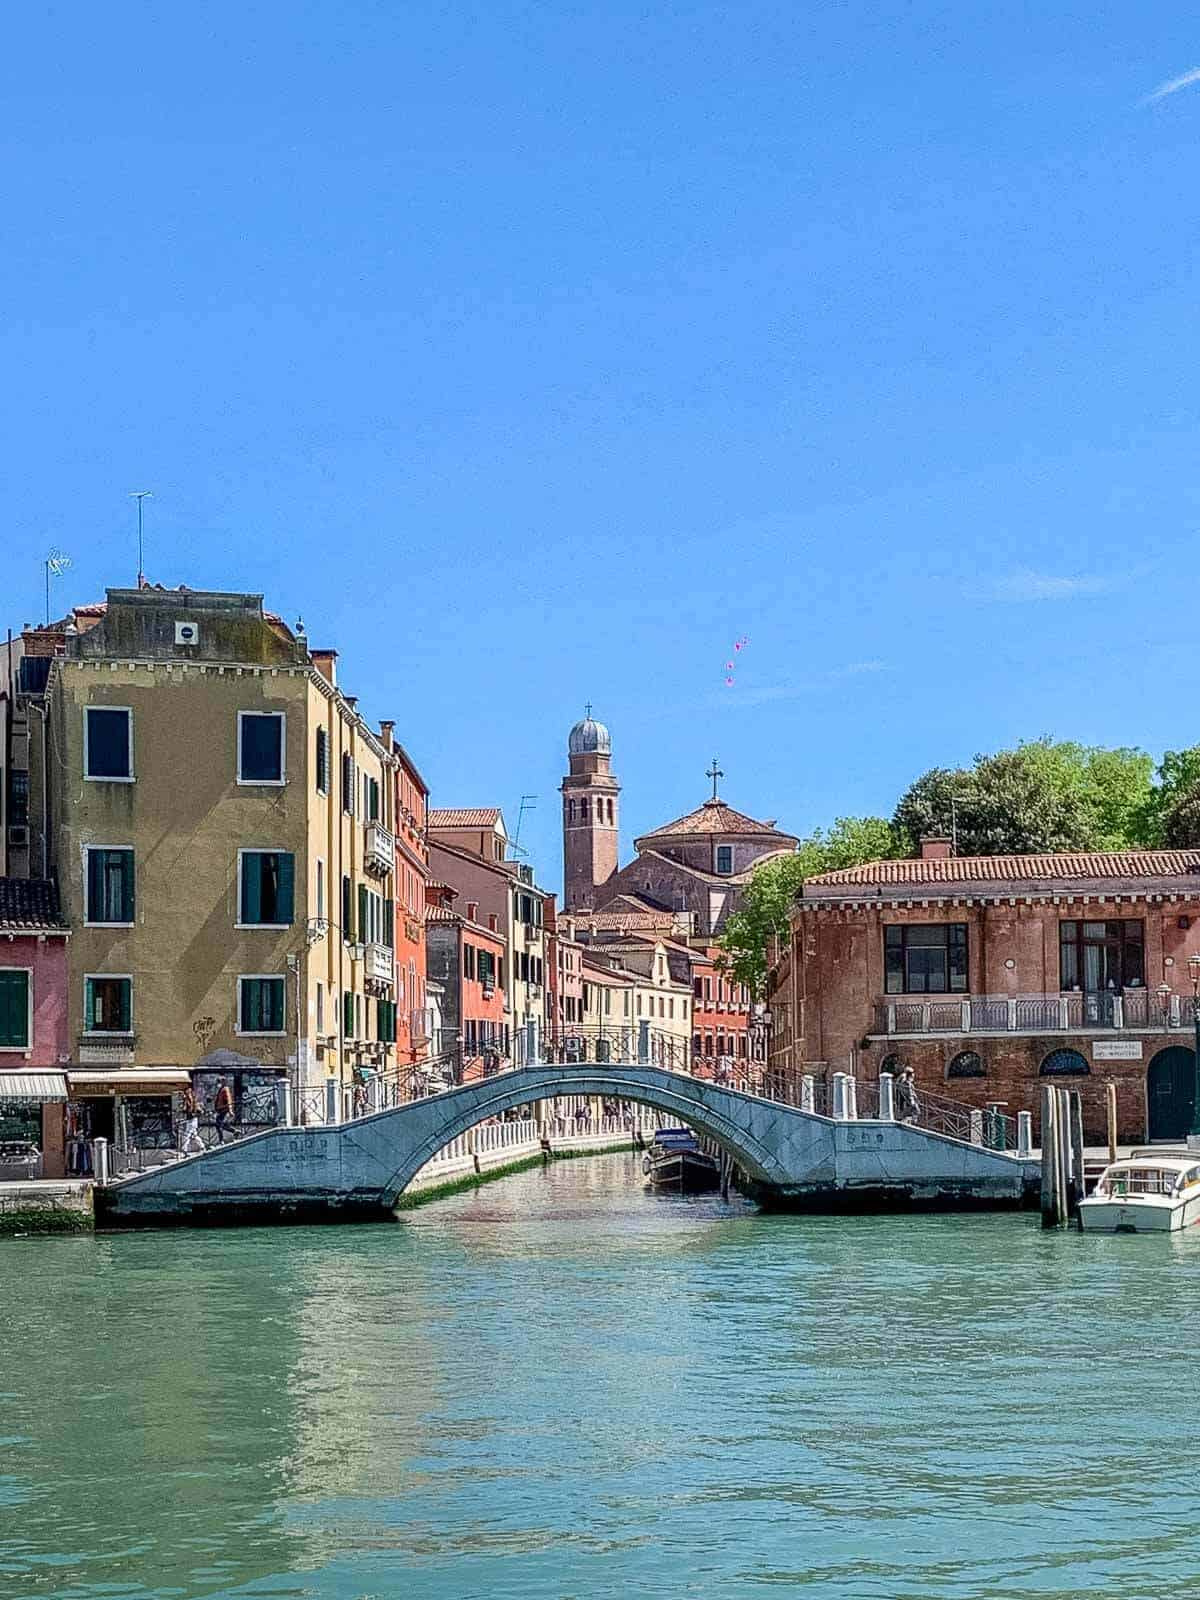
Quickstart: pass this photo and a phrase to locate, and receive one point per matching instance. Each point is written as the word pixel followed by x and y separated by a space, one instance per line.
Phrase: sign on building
pixel 1117 1050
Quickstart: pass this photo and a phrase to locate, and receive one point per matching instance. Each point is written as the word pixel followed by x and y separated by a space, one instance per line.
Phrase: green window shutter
pixel 389 924
pixel 14 1009
pixel 126 885
pixel 347 911
pixel 89 1003
pixel 273 1004
pixel 285 910
pixel 125 1021
pixel 251 1009
pixel 364 926
pixel 348 1014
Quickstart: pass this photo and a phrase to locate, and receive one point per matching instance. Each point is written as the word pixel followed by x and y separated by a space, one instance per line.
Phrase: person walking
pixel 908 1107
pixel 189 1122
pixel 223 1108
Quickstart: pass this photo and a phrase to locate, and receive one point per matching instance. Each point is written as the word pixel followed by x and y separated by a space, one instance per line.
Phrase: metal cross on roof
pixel 714 772
pixel 587 710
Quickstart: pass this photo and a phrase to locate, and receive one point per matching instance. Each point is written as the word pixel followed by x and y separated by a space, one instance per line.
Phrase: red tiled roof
pixel 29 905
pixel 1065 867
pixel 714 816
pixel 465 817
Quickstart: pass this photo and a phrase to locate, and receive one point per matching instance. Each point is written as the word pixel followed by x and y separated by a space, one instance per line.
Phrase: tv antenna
pixel 56 563
pixel 140 495
pixel 528 803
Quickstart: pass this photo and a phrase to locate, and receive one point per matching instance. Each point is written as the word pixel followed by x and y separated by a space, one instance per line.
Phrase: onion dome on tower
pixel 589 738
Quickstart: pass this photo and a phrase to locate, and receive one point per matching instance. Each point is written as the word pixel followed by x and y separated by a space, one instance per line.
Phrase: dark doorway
pixel 1171 1093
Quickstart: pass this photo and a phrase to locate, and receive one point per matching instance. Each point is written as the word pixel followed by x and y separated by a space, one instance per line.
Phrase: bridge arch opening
pixel 722 1115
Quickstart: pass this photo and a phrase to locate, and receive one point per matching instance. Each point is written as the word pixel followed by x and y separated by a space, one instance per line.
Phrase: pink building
pixel 34 1046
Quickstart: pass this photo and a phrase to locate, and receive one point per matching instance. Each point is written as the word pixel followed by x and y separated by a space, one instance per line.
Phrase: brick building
pixel 989 975
pixel 695 867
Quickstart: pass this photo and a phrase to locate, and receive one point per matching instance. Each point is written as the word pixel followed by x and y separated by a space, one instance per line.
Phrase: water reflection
pixel 559 1385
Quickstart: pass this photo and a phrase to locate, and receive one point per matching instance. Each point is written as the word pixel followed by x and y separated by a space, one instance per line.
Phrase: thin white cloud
pixel 766 693
pixel 1026 584
pixel 1173 86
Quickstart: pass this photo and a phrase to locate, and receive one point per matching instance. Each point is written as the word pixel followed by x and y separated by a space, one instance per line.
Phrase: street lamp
pixel 1194 971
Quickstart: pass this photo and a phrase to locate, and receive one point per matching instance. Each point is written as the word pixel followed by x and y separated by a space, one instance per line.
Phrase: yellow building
pixel 222 828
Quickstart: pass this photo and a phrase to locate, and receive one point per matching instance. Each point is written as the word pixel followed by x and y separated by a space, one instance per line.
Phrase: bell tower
pixel 591 815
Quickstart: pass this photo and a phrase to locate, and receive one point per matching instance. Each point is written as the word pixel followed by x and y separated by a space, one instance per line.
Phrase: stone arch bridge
pixel 358 1170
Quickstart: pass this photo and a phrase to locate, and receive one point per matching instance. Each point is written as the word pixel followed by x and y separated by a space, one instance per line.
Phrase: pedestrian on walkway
pixel 223 1107
pixel 908 1107
pixel 189 1122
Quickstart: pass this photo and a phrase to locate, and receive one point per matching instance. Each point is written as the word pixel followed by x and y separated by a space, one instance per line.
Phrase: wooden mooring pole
pixel 1110 1105
pixel 1062 1155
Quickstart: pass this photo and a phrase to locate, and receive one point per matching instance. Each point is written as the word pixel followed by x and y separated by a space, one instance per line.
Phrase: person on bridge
pixel 189 1122
pixel 223 1107
pixel 908 1107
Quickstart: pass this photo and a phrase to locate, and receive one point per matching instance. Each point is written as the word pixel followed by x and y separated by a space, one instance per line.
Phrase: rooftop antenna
pixel 139 495
pixel 56 564
pixel 528 803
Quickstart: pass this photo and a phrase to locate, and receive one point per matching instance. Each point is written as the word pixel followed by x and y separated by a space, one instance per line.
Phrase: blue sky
pixel 535 352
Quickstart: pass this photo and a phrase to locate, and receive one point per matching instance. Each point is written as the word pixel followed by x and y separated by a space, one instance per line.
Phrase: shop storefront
pixel 136 1111
pixel 31 1122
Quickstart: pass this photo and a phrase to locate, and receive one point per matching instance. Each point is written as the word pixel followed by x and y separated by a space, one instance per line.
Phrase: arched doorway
pixel 1171 1093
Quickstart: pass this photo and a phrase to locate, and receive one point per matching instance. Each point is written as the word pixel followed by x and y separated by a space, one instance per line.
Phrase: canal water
pixel 559 1386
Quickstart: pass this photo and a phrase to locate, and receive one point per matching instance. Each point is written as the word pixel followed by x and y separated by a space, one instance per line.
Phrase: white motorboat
pixel 1150 1191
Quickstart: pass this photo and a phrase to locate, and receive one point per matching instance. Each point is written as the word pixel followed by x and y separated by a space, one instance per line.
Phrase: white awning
pixel 33 1087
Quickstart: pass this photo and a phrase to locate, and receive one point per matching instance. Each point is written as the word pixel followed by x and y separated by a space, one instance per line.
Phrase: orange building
pixel 413 1029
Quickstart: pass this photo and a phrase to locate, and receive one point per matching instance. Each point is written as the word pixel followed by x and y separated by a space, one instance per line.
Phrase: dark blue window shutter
pixel 125 1020
pixel 251 887
pixel 95 881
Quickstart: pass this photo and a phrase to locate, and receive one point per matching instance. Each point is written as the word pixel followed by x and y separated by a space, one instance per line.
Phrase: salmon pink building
pixel 34 1041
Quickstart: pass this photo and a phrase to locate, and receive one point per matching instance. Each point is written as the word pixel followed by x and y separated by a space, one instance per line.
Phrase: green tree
pixel 1042 796
pixel 767 901
pixel 1170 813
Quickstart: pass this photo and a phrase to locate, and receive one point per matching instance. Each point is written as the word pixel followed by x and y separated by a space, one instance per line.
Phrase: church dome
pixel 589 738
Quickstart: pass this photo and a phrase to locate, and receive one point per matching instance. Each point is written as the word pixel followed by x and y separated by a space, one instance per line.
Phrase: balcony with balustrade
pixel 1128 1011
pixel 379 850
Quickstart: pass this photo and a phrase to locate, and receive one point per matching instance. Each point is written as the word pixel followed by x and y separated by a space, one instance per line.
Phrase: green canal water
pixel 559 1386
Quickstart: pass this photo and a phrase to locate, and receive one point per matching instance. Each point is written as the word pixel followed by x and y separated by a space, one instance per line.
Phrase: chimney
pixel 325 662
pixel 472 910
pixel 936 847
pixel 386 733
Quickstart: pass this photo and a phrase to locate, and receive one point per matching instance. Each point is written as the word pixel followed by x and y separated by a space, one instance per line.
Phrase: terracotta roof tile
pixel 29 904
pixel 465 817
pixel 714 816
pixel 1095 865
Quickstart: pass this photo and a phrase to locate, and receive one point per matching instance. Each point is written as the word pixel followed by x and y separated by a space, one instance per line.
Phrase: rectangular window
pixel 347 911
pixel 267 894
pixel 1097 957
pixel 260 747
pixel 322 761
pixel 260 1005
pixel 15 1007
pixel 348 1014
pixel 110 886
pixel 926 958
pixel 386 1022
pixel 724 859
pixel 107 1004
pixel 365 930
pixel 108 744
pixel 320 1008
pixel 18 799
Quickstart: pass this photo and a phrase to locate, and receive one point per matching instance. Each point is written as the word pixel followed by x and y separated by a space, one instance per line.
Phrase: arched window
pixel 1065 1064
pixel 570 811
pixel 583 809
pixel 967 1064
pixel 892 1064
